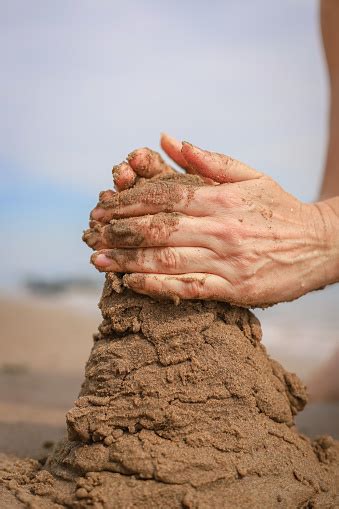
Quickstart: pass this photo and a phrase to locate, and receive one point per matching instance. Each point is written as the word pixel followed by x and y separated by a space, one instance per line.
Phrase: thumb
pixel 173 147
pixel 217 167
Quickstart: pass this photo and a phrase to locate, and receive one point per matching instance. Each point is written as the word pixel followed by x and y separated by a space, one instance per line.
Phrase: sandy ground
pixel 43 349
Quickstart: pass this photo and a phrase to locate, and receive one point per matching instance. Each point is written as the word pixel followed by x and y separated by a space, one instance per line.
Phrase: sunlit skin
pixel 240 238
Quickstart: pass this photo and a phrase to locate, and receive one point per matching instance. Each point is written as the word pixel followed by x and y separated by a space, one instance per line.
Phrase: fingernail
pixel 194 147
pixel 101 260
pixel 187 143
pixel 97 213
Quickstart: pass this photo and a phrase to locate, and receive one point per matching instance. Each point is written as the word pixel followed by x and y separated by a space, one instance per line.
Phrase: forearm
pixel 330 183
pixel 330 33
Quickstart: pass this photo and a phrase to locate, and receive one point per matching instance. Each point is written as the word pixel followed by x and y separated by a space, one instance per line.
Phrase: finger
pixel 124 176
pixel 219 167
pixel 173 147
pixel 160 196
pixel 148 163
pixel 189 286
pixel 98 213
pixel 149 231
pixel 163 260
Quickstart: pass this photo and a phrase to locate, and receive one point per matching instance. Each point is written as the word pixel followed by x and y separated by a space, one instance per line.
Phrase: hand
pixel 241 239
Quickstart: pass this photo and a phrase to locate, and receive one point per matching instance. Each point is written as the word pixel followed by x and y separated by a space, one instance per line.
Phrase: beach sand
pixel 44 346
pixel 43 351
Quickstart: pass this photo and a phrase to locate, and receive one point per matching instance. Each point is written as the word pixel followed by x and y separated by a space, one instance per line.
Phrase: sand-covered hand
pixel 224 231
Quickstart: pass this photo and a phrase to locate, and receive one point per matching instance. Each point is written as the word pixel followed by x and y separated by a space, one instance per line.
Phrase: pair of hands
pixel 238 238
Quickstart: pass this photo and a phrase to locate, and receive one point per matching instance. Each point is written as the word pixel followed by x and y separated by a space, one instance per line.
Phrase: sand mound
pixel 181 407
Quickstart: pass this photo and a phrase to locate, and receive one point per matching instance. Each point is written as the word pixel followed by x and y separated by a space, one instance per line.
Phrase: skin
pixel 240 238
pixel 329 12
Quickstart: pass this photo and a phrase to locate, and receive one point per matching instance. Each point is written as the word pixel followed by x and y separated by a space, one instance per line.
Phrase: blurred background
pixel 82 84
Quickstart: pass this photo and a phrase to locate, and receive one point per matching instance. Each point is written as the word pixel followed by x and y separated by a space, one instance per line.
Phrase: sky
pixel 85 82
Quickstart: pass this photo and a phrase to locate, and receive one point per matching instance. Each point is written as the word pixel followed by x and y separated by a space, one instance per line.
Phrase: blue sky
pixel 83 83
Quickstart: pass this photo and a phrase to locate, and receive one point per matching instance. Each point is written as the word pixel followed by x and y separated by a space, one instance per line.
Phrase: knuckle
pixel 162 226
pixel 194 288
pixel 226 231
pixel 217 230
pixel 225 196
pixel 124 232
pixel 221 196
pixel 168 258
pixel 156 193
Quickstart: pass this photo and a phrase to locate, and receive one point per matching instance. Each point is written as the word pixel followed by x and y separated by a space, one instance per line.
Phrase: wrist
pixel 327 224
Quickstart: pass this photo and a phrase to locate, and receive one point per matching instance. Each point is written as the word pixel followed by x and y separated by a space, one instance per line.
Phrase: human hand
pixel 241 239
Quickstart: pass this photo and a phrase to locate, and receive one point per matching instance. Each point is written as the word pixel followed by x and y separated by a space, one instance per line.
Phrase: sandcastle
pixel 181 407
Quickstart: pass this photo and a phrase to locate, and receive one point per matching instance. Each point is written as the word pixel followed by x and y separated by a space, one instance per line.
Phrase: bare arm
pixel 330 31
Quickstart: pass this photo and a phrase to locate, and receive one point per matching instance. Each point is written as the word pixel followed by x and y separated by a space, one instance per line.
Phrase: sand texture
pixel 182 408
